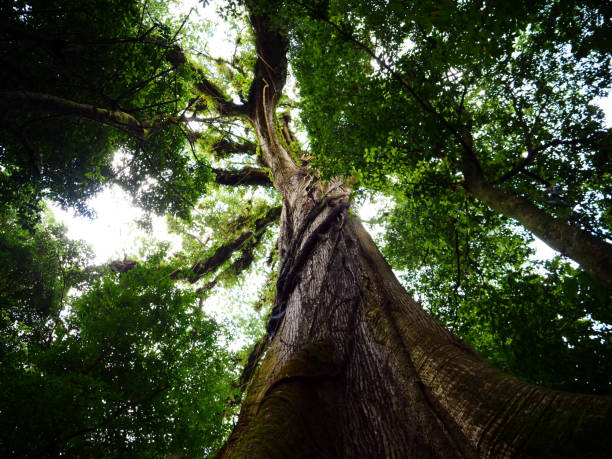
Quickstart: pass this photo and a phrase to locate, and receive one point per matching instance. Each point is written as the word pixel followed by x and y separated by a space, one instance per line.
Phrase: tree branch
pixel 203 85
pixel 245 176
pixel 34 101
pixel 226 147
pixel 243 262
pixel 223 106
pixel 531 154
pixel 223 253
pixel 271 64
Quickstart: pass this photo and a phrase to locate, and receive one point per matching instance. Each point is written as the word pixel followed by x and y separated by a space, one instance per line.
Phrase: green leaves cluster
pixel 100 363
pixel 409 81
pixel 389 91
pixel 115 62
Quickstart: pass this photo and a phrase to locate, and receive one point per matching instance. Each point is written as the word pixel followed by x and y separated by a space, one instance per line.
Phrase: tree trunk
pixel 355 367
pixel 593 254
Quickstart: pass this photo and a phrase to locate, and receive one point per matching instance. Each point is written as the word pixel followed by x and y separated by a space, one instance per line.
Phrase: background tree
pixel 127 364
pixel 487 99
pixel 78 84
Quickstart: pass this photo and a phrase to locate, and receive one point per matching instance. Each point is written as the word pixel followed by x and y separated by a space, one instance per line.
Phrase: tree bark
pixel 355 367
pixel 244 176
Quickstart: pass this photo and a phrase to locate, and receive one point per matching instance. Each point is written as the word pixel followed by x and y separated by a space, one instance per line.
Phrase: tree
pixel 355 366
pixel 491 100
pixel 351 364
pixel 78 84
pixel 128 365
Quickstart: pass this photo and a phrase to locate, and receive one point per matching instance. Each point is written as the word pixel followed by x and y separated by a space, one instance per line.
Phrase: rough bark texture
pixel 355 367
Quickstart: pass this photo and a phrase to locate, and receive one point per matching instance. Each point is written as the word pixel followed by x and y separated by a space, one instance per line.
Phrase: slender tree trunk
pixel 591 252
pixel 355 367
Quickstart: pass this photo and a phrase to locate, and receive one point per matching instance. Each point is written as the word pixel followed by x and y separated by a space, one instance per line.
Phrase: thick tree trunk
pixel 355 367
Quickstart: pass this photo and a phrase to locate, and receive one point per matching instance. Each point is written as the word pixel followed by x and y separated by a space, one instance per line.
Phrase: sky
pixel 114 234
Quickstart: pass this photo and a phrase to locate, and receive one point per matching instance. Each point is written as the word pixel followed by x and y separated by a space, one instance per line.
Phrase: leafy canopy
pixel 95 360
pixel 111 56
pixel 386 91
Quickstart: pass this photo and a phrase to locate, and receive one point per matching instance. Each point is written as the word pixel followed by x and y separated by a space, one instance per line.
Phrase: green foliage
pixel 132 354
pixel 117 62
pixel 521 80
pixel 37 271
pixel 220 220
pixel 552 330
pixel 546 323
pixel 100 363
pixel 125 365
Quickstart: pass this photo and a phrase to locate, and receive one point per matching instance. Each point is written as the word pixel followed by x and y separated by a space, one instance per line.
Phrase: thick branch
pixel 245 176
pixel 266 89
pixel 271 64
pixel 223 106
pixel 34 101
pixel 226 147
pixel 223 253
pixel 239 265
pixel 206 87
